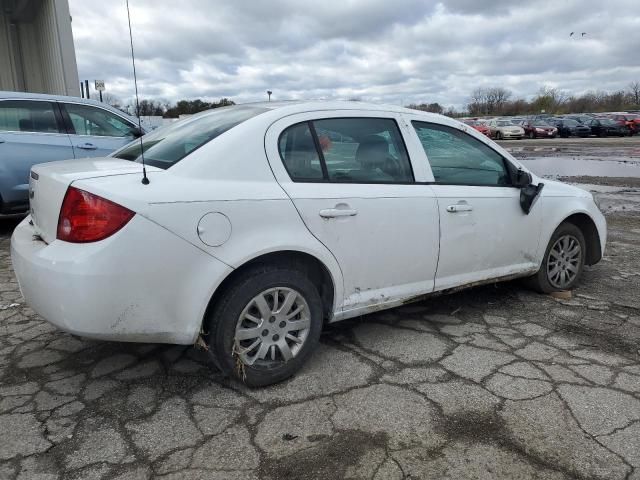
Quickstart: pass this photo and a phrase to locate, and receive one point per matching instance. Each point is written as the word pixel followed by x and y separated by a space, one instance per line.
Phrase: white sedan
pixel 262 222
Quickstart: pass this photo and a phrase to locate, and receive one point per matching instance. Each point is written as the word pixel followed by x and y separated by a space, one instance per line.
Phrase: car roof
pixel 300 106
pixel 45 96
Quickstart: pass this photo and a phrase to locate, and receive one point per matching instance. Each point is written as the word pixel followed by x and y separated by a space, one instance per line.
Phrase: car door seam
pixel 435 275
pixel 266 156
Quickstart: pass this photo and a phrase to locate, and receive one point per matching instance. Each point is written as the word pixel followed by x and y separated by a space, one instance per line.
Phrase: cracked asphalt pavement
pixel 492 382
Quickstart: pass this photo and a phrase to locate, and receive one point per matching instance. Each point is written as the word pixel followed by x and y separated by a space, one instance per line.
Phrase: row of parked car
pixel 549 126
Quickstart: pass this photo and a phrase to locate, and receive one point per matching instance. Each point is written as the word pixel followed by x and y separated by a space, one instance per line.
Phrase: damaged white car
pixel 261 222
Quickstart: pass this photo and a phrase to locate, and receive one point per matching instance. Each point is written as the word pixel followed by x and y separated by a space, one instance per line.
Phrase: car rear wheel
pixel 498 135
pixel 563 261
pixel 266 325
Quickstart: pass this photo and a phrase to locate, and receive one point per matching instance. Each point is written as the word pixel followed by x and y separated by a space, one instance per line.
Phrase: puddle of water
pixel 571 167
pixel 575 150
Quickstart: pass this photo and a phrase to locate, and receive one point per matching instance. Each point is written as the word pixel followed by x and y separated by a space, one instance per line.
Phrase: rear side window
pixel 457 158
pixel 88 120
pixel 346 150
pixel 299 153
pixel 28 116
pixel 166 146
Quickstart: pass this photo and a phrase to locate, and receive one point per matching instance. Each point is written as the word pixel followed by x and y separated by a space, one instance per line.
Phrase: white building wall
pixel 42 48
pixel 7 67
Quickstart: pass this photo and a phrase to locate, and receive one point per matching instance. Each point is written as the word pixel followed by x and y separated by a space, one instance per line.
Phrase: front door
pixel 94 131
pixel 484 232
pixel 352 182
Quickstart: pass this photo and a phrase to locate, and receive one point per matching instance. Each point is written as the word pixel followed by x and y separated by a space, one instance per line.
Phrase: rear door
pixel 31 131
pixel 484 232
pixel 95 131
pixel 350 178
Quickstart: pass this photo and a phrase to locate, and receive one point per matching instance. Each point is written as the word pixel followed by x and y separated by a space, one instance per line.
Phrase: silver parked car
pixel 502 129
pixel 37 128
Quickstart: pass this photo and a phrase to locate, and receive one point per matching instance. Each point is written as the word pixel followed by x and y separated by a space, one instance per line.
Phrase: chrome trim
pixel 20 132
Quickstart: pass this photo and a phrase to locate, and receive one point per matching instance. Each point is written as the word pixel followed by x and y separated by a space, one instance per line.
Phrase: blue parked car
pixel 38 128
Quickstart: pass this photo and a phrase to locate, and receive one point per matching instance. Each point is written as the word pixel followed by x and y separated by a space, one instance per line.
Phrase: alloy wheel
pixel 563 263
pixel 273 327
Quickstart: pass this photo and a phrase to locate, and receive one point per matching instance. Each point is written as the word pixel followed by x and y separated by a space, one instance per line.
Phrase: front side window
pixel 88 120
pixel 457 158
pixel 28 116
pixel 347 150
pixel 168 145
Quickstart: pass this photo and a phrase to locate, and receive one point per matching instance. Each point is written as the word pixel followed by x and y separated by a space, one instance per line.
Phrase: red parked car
pixel 538 129
pixel 481 127
pixel 629 120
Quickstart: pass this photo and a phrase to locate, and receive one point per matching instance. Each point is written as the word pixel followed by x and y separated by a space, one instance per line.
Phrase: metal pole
pixel 82 89
pixel 100 95
pixel 86 87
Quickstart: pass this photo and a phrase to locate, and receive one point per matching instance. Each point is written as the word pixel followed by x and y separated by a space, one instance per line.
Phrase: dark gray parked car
pixel 36 128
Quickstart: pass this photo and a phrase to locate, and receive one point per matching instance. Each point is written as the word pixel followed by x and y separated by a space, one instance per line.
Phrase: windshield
pixel 569 122
pixel 505 123
pixel 166 146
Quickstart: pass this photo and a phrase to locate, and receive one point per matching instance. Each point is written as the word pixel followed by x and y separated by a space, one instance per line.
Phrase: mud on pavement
pixel 492 382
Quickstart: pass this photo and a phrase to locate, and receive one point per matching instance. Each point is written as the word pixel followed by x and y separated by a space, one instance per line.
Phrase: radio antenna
pixel 145 180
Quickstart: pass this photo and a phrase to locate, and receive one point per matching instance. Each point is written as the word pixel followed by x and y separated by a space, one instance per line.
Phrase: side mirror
pixel 522 178
pixel 529 195
pixel 136 132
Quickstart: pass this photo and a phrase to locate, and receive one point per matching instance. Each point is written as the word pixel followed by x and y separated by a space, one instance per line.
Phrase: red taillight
pixel 85 217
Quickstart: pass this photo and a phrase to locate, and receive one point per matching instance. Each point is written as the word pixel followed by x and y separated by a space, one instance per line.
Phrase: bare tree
pixel 549 99
pixel 634 87
pixel 488 101
pixel 111 99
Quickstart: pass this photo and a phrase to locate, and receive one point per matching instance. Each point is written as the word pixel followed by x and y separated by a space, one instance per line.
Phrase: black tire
pixel 540 281
pixel 532 135
pixel 220 324
pixel 498 136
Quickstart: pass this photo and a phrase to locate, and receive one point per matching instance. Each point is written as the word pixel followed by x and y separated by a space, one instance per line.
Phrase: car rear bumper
pixel 545 133
pixel 143 284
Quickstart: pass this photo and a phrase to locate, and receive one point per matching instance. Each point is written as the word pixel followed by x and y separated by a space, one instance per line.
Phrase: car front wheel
pixel 563 261
pixel 266 325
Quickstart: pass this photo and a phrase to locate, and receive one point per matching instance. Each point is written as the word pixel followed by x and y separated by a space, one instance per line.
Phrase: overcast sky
pixel 390 51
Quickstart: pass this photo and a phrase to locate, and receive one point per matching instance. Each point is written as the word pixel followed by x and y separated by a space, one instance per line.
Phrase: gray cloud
pixel 394 52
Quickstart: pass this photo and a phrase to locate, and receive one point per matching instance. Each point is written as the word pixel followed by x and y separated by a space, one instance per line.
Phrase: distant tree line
pixel 483 101
pixel 501 101
pixel 166 109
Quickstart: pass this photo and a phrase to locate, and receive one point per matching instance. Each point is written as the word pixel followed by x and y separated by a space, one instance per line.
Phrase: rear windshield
pixel 166 146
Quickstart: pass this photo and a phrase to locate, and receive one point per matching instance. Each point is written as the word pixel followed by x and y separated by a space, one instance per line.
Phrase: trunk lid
pixel 48 183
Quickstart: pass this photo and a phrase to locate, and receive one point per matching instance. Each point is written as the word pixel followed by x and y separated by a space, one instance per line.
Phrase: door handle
pixel 87 146
pixel 337 212
pixel 459 208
